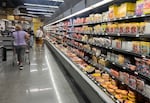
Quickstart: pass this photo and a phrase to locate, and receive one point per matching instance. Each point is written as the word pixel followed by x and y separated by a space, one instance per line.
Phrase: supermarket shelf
pixel 124 68
pixel 121 51
pixel 115 49
pixel 57 33
pixel 113 34
pixel 95 94
pixel 115 20
pixel 77 40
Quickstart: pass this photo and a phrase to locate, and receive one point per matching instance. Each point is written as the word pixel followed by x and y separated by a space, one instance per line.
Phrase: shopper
pixel 20 38
pixel 30 31
pixel 39 37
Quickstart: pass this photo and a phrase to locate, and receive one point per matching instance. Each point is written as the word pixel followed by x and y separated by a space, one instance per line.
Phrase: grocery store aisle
pixel 41 82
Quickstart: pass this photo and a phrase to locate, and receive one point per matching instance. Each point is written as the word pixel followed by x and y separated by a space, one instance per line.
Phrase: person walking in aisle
pixel 30 31
pixel 20 38
pixel 39 38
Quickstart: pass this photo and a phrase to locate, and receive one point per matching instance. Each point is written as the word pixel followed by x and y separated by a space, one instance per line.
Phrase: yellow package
pixel 142 27
pixel 144 48
pixel 121 59
pixel 113 10
pixel 134 28
pixel 136 46
pixel 126 9
pixel 103 28
pixel 146 7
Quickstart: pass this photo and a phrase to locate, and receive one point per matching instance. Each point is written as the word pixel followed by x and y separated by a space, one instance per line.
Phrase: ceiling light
pixel 84 10
pixel 38 13
pixel 57 0
pixel 46 10
pixel 47 15
pixel 48 6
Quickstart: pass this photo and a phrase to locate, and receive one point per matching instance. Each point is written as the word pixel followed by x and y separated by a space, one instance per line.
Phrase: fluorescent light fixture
pixel 38 5
pixel 57 0
pixel 46 10
pixel 101 3
pixel 42 13
pixel 27 14
pixel 47 15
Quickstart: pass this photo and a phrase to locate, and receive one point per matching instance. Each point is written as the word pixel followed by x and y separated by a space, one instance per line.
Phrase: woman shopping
pixel 20 38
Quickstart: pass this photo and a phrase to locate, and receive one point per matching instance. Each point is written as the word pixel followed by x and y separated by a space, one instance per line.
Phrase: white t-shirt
pixel 39 33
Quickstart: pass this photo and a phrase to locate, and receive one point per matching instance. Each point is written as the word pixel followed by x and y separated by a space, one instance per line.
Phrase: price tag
pixel 112 96
pixel 113 63
pixel 117 101
pixel 110 48
pixel 104 90
pixel 143 56
pixel 137 35
pixel 122 83
pixel 113 77
pixel 118 34
pixel 106 34
pixel 124 68
pixel 136 73
pixel 134 16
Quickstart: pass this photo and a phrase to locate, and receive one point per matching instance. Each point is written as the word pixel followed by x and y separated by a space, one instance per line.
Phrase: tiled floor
pixel 41 82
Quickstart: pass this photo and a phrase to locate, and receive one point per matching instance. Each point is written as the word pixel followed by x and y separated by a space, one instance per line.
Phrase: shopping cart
pixel 26 55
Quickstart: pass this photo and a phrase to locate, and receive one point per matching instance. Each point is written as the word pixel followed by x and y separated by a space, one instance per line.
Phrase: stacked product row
pixel 103 79
pixel 141 7
pixel 114 28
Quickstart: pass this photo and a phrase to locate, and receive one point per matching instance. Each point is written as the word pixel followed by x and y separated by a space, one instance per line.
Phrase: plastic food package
pixel 139 7
pixel 113 12
pixel 144 48
pixel 146 7
pixel 126 9
pixel 118 43
pixel 105 16
pixel 121 59
pixel 136 46
pixel 140 85
pixel 132 81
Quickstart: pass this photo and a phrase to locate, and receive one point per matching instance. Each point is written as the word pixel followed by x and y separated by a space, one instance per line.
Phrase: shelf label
pixel 143 56
pixel 118 34
pixel 117 101
pixel 124 68
pixel 112 96
pixel 137 35
pixel 122 83
pixel 136 73
pixel 104 90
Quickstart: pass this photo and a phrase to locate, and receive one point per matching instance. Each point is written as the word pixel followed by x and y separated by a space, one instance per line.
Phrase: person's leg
pixel 31 41
pixel 22 53
pixel 17 53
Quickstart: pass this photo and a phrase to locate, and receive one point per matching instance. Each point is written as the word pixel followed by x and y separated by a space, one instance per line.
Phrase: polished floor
pixel 40 82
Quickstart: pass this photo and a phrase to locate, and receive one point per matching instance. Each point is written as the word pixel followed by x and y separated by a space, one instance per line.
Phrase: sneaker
pixel 27 51
pixel 21 67
pixel 18 63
